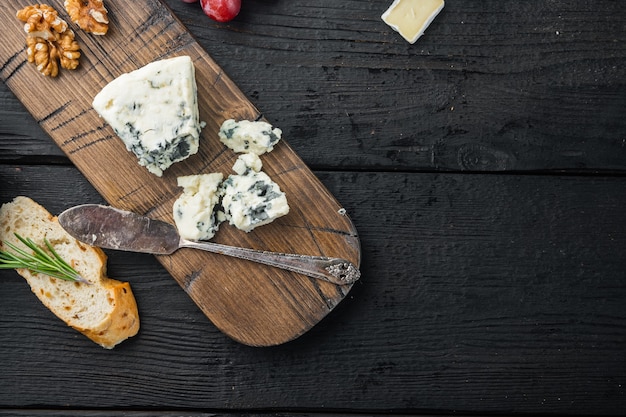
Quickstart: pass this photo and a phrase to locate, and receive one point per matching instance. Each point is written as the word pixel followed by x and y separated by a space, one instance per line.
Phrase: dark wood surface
pixel 484 169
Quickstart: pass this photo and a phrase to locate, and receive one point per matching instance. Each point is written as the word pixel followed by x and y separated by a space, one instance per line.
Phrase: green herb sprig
pixel 39 261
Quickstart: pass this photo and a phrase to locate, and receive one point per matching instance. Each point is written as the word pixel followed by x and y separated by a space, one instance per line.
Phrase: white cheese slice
pixel 246 136
pixel 410 18
pixel 250 198
pixel 195 211
pixel 154 110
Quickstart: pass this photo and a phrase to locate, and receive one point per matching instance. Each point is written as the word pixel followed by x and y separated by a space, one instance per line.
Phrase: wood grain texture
pixel 492 235
pixel 492 86
pixel 256 305
pixel 474 304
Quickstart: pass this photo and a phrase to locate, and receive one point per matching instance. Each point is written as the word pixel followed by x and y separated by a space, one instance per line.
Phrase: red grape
pixel 221 10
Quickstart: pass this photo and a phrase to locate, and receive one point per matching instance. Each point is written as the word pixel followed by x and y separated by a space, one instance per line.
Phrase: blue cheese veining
pixel 154 110
pixel 250 198
pixel 195 211
pixel 246 136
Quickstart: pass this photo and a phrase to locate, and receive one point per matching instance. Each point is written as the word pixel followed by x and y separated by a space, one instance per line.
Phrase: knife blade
pixel 112 228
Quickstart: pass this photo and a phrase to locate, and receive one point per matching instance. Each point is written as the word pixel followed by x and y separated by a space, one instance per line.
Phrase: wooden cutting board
pixel 254 304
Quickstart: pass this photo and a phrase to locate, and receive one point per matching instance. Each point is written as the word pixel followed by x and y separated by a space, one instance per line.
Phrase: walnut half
pixel 49 40
pixel 41 21
pixel 90 15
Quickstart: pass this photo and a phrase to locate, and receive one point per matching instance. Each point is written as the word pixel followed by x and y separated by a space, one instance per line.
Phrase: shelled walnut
pixel 90 15
pixel 49 40
pixel 41 20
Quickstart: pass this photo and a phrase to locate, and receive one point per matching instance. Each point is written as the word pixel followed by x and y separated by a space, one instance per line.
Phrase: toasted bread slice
pixel 104 310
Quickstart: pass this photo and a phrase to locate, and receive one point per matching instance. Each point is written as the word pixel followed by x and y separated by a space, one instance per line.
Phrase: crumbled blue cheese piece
pixel 247 162
pixel 154 110
pixel 246 136
pixel 195 211
pixel 410 18
pixel 250 198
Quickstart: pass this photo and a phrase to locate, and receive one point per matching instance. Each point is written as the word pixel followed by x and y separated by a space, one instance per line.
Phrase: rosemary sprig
pixel 39 261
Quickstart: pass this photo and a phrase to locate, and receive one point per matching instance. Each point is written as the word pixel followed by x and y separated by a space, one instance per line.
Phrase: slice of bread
pixel 105 311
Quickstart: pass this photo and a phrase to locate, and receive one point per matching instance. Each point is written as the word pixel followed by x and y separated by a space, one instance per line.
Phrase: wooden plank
pixel 110 413
pixel 492 85
pixel 253 304
pixel 494 294
pixel 524 98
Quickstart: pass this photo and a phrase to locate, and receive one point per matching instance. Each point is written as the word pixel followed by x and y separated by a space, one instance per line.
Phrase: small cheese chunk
pixel 194 211
pixel 251 199
pixel 249 137
pixel 410 18
pixel 154 110
pixel 247 162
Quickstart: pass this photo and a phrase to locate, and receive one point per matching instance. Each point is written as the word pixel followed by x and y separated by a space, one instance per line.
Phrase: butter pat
pixel 410 18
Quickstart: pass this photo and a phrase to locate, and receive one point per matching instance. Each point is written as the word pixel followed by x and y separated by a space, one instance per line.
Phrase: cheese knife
pixel 112 228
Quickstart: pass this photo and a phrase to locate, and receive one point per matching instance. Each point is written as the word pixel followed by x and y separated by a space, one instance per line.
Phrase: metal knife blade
pixel 111 228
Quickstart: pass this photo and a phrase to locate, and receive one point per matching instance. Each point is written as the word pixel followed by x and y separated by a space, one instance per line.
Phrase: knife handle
pixel 336 270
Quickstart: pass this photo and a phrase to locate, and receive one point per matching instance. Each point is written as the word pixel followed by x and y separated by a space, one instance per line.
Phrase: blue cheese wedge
pixel 410 18
pixel 250 198
pixel 246 136
pixel 154 110
pixel 195 211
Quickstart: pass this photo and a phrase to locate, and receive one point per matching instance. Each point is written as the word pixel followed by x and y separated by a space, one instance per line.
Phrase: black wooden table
pixel 484 168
